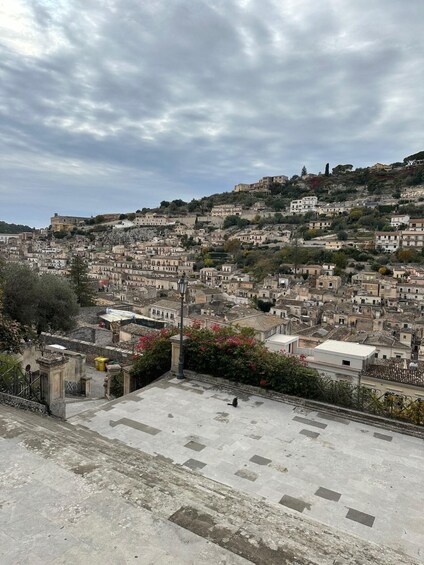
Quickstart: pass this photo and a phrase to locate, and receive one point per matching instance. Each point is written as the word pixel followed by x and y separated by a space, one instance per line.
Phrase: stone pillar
pixel 175 354
pixel 52 376
pixel 112 370
pixel 128 380
pixel 86 385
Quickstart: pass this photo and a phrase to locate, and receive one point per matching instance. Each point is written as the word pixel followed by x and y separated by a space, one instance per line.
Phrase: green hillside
pixel 13 228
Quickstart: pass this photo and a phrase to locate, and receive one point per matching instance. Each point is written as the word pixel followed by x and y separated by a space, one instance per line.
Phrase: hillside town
pixel 314 278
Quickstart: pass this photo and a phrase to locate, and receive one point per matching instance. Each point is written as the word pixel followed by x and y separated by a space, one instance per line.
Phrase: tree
pixel 414 157
pixel 342 235
pixel 45 303
pixel 20 285
pixel 327 170
pixel 80 283
pixel 340 260
pixel 342 169
pixel 56 305
pixel 10 332
pixel 304 171
pixel 230 221
pixel 232 245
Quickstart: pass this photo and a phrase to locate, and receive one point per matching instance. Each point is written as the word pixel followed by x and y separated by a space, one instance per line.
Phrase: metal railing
pixel 19 383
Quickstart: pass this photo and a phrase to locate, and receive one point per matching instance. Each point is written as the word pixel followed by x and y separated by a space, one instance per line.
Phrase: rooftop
pixel 342 347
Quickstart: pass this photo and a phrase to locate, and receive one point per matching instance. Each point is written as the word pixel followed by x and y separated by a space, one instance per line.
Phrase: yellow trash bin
pixel 101 363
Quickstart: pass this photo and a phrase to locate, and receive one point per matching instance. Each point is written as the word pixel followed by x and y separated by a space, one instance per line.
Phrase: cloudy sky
pixel 113 105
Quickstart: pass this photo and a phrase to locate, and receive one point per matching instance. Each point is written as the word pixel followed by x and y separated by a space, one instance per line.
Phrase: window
pixel 346 363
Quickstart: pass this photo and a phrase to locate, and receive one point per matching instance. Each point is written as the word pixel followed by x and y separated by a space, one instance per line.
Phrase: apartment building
pixel 319 224
pixel 152 219
pixel 388 241
pixel 224 210
pixel 416 224
pixel 413 238
pixel 410 291
pixel 305 204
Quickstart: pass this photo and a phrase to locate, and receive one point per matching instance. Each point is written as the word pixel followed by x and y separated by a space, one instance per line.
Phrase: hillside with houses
pixel 302 262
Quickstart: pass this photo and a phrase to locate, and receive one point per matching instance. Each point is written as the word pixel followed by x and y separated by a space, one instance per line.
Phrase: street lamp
pixel 182 287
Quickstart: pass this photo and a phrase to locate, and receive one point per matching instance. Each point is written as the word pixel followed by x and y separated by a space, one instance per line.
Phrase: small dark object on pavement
pixel 233 403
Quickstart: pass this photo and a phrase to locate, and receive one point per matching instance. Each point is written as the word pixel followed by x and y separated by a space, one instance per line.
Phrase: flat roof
pixel 346 347
pixel 283 339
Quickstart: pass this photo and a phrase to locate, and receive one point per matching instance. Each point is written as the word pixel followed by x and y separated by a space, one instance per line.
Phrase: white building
pixel 305 204
pixel 399 220
pixel 387 241
pixel 282 343
pixel 6 237
pixel 341 360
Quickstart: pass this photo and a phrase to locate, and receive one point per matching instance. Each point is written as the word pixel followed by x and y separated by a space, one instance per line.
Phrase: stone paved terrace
pixel 355 477
pixel 70 495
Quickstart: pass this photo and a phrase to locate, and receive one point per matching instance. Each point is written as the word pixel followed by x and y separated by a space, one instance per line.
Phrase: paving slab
pixel 380 479
pixel 313 453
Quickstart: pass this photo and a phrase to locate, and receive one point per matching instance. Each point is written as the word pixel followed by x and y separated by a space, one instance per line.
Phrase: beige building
pixel 66 223
pixel 224 210
pixel 153 219
pixel 413 238
pixel 262 185
pixel 410 291
pixel 328 282
pixel 319 224
pixel 263 325
pixel 167 311
pixel 416 224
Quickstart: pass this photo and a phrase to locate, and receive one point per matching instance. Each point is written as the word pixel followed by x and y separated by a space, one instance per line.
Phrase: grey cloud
pixel 190 98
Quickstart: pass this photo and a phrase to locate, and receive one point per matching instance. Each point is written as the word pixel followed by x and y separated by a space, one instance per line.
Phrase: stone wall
pixel 90 350
pixel 93 335
pixel 23 403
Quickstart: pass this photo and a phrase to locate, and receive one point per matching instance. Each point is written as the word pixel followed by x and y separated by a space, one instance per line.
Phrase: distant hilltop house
pixel 380 167
pixel 413 162
pixel 262 185
pixel 66 223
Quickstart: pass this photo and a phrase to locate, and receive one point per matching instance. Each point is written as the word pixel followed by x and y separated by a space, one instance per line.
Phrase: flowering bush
pixel 235 355
pixel 228 353
pixel 153 356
